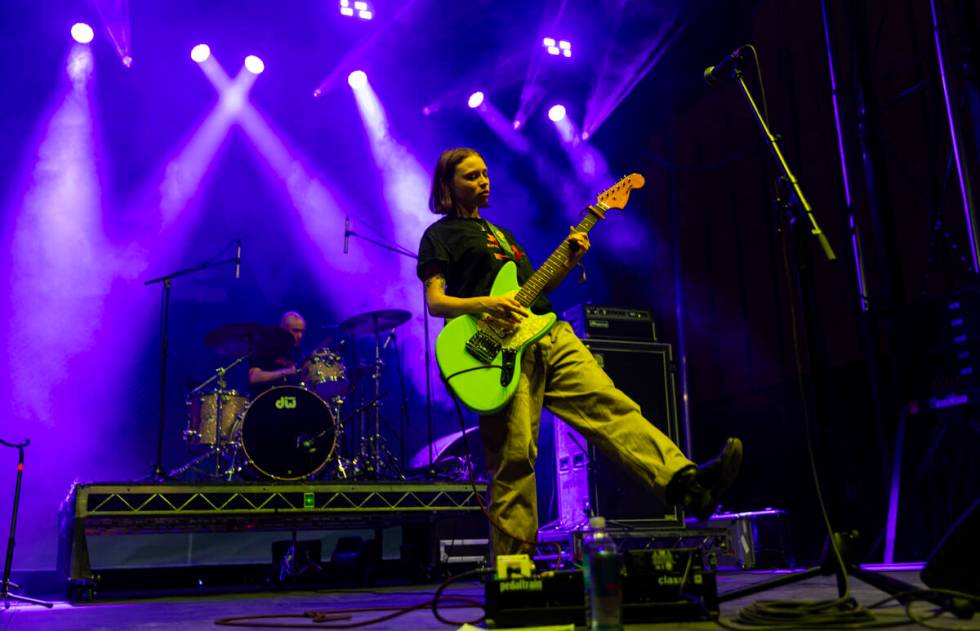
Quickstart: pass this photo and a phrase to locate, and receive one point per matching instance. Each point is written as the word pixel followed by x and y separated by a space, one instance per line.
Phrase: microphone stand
pixel 157 470
pixel 798 199
pixel 838 558
pixel 397 249
pixel 9 560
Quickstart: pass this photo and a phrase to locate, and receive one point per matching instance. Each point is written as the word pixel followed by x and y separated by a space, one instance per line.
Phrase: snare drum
pixel 206 423
pixel 324 374
pixel 288 433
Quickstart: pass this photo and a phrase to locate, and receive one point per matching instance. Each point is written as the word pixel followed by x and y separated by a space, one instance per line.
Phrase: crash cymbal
pixel 372 322
pixel 243 338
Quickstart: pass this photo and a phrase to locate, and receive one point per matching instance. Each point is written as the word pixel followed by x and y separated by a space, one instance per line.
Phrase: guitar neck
pixel 555 265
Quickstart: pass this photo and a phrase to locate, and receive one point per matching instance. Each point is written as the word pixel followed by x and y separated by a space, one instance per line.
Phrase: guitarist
pixel 459 257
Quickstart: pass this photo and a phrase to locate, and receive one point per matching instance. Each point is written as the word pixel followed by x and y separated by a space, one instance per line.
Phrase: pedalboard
pixel 659 585
pixel 668 585
pixel 545 598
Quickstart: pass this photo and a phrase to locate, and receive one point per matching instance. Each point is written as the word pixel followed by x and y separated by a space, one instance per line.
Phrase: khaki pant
pixel 559 373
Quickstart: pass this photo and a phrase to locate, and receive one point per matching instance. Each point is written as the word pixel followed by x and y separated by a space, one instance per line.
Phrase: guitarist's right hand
pixel 504 307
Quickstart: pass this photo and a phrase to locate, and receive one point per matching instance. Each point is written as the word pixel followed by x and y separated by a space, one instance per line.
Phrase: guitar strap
pixel 501 239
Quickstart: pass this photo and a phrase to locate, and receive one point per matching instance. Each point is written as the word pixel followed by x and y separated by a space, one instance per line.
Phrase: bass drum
pixel 288 433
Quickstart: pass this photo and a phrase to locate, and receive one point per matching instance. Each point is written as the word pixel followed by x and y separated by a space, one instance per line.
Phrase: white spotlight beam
pixel 404 183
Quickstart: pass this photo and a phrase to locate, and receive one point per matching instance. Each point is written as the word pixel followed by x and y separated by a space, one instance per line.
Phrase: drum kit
pixel 291 431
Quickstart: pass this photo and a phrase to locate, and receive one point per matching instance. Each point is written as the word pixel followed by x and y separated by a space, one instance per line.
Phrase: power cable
pixel 343 618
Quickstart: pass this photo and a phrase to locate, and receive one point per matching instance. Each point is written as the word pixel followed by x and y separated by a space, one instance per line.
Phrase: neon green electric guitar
pixel 479 356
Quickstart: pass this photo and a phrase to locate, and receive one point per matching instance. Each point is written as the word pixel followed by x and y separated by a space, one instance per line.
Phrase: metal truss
pixel 135 500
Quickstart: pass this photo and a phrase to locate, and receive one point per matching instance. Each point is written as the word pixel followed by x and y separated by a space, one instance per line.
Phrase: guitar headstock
pixel 618 194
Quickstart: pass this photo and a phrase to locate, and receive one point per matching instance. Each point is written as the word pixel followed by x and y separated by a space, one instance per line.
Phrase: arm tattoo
pixel 437 280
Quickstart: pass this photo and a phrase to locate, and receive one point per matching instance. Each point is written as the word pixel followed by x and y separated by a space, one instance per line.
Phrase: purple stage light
pixel 127 61
pixel 556 113
pixel 565 47
pixel 476 99
pixel 82 33
pixel 357 79
pixel 254 65
pixel 200 53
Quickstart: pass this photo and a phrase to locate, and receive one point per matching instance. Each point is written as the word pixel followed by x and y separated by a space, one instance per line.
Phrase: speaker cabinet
pixel 645 373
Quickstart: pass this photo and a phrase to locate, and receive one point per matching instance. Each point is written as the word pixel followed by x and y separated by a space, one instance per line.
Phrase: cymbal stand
pixel 219 375
pixel 398 249
pixel 343 467
pixel 374 453
pixel 218 449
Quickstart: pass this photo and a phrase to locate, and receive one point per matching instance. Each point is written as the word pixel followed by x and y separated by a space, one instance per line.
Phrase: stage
pixel 201 612
pixel 265 318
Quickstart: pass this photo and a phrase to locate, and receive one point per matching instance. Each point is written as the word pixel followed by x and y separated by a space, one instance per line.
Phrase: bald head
pixel 294 324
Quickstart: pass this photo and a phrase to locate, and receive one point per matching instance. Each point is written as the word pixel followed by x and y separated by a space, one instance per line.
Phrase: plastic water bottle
pixel 603 582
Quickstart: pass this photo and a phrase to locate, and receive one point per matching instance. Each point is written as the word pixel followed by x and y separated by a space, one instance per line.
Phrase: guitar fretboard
pixel 555 265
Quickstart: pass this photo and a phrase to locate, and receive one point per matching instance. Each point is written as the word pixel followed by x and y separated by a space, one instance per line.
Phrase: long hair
pixel 442 201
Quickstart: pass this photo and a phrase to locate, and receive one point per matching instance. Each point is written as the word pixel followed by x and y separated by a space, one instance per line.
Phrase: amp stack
pixel 623 340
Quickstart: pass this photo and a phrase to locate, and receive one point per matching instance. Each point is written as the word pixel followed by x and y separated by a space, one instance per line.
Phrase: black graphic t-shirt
pixel 468 254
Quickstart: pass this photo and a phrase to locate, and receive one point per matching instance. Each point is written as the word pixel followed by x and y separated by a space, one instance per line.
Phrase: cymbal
pixel 244 338
pixel 371 322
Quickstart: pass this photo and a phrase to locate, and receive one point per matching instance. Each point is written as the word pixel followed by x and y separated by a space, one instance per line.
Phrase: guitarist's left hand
pixel 578 245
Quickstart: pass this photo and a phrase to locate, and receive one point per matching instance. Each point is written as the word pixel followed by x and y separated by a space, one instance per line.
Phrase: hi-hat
pixel 245 338
pixel 372 322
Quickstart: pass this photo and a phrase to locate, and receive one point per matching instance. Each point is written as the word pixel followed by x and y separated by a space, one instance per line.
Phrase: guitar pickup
pixel 483 346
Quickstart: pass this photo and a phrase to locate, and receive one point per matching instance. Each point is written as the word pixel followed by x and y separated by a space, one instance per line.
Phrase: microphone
pixel 346 233
pixel 714 74
pixel 238 260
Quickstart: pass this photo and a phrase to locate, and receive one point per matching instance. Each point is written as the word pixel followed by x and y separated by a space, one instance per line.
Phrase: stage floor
pixel 200 612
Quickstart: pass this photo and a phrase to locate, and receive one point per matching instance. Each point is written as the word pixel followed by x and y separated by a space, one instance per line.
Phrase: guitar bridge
pixel 483 346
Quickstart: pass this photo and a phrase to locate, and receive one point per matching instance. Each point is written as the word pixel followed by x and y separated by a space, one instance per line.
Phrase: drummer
pixel 273 366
